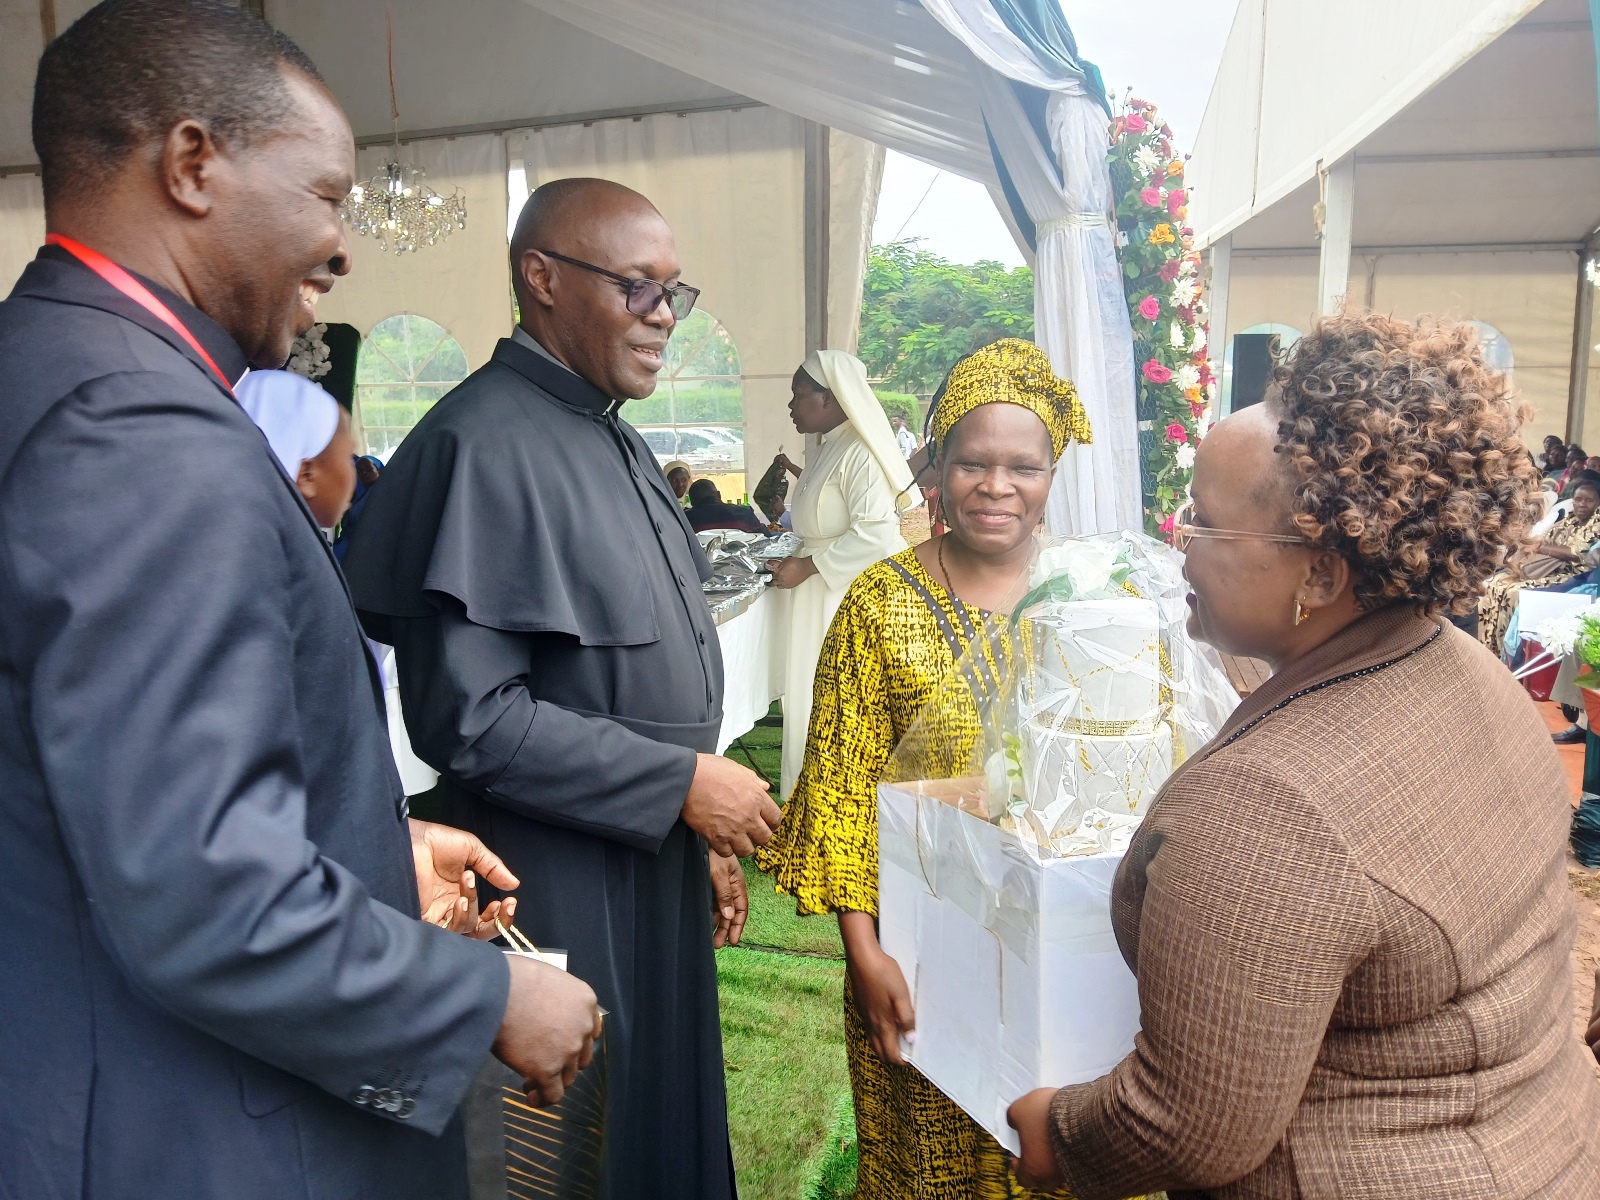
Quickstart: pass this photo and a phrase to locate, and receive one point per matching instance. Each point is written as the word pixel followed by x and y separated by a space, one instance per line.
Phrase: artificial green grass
pixel 783 1044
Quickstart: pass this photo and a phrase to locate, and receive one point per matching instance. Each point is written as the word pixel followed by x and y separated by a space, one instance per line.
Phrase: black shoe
pixel 1570 736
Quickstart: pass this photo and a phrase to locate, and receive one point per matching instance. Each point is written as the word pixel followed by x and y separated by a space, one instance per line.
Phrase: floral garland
pixel 1161 278
pixel 308 356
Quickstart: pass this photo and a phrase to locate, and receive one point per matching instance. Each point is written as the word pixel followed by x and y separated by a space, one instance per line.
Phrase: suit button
pixel 407 1107
pixel 682 582
pixel 365 1094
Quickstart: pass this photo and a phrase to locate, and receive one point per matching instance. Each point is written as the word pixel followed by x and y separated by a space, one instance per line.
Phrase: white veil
pixel 846 377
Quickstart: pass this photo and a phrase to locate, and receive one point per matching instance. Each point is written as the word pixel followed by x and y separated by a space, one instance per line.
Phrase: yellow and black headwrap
pixel 1012 371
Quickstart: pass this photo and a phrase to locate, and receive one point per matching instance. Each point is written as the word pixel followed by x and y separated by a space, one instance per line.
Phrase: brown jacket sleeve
pixel 1252 916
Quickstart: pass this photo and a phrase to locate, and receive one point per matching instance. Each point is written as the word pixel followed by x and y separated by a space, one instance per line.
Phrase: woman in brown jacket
pixel 1349 913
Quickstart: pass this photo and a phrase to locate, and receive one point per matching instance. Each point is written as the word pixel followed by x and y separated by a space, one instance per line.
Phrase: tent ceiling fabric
pixel 488 63
pixel 1483 130
pixel 883 70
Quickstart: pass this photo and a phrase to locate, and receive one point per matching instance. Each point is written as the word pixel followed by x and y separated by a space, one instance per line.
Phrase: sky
pixel 1166 50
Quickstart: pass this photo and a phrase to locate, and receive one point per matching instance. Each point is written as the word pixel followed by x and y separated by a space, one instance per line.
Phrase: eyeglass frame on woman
pixel 636 287
pixel 1184 533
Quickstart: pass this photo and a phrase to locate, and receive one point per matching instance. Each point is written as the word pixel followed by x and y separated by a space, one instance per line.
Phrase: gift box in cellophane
pixel 1015 976
pixel 1007 806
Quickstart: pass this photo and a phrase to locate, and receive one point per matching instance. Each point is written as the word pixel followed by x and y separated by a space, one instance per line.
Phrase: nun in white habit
pixel 846 507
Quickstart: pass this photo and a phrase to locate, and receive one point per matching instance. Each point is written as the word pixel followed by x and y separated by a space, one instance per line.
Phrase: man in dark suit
pixel 708 510
pixel 213 978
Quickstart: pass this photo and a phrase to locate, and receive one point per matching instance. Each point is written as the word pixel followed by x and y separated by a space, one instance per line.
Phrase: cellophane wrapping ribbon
pixel 1066 716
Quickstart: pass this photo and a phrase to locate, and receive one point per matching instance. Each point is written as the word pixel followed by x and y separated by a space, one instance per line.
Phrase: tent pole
pixel 1217 317
pixel 1582 335
pixel 1336 227
pixel 818 186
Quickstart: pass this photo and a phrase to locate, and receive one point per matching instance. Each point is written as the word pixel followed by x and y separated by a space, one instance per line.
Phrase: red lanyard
pixel 135 291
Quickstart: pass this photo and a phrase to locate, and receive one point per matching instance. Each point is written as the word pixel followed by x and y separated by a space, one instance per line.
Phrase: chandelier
pixel 400 211
pixel 395 206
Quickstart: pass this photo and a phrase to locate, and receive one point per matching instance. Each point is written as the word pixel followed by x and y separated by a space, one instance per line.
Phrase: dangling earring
pixel 1301 612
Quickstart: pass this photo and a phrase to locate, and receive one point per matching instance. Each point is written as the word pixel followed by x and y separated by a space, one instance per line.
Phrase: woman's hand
pixel 882 997
pixel 1594 1017
pixel 792 572
pixel 1030 1117
pixel 783 461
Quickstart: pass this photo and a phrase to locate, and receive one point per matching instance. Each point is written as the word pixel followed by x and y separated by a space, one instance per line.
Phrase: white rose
pixel 1087 566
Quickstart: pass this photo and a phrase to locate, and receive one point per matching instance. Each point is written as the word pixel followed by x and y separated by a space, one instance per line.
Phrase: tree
pixel 920 313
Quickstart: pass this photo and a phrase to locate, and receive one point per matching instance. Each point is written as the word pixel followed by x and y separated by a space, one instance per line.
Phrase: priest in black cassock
pixel 560 668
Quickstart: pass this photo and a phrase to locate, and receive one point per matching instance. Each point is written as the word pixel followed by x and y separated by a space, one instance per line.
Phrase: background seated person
pixel 1559 558
pixel 707 511
pixel 678 477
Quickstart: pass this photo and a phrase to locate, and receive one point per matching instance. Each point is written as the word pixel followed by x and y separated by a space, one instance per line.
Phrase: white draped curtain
pixel 1080 312
pixel 21 226
pixel 926 79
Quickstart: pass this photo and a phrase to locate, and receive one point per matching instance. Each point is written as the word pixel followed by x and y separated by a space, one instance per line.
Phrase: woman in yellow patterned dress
pixel 998 430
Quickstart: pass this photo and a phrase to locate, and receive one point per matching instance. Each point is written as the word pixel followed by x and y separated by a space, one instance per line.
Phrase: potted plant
pixel 1586 645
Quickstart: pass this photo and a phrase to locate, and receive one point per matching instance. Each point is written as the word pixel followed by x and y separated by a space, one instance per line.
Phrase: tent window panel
pixel 697 410
pixel 407 364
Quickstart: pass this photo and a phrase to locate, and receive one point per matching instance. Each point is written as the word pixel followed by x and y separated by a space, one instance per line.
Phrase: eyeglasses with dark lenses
pixel 644 295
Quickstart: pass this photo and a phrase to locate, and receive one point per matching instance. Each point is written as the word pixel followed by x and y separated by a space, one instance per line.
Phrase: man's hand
pixel 548 1034
pixel 728 805
pixel 730 899
pixel 791 572
pixel 449 863
pixel 1030 1117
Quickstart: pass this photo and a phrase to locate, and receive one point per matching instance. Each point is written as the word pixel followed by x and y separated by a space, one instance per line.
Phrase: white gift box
pixel 1065 775
pixel 1014 972
pixel 1096 663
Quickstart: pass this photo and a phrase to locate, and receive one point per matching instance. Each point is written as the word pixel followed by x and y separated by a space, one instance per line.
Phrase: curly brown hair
pixel 1407 457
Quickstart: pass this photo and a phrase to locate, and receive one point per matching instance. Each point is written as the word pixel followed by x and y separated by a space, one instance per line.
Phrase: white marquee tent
pixel 758 127
pixel 1454 147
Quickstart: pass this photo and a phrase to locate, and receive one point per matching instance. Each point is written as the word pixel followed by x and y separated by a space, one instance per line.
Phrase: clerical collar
pixel 218 343
pixel 522 337
pixel 564 384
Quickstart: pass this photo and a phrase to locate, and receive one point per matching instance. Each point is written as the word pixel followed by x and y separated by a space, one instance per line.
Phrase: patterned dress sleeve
pixel 825 853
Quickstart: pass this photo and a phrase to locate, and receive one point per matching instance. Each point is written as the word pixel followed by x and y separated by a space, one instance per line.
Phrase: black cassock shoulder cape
pixel 526 531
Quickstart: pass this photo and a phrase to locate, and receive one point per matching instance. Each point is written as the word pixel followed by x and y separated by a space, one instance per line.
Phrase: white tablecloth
pixel 753 645
pixel 753 648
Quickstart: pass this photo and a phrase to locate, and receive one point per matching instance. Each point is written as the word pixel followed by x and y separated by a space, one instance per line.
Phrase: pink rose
pixel 1167 525
pixel 1136 124
pixel 1175 200
pixel 1176 432
pixel 1156 373
pixel 1151 196
pixel 1149 308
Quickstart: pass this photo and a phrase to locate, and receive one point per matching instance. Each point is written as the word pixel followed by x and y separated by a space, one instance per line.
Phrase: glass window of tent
pixel 407 364
pixel 1496 346
pixel 697 410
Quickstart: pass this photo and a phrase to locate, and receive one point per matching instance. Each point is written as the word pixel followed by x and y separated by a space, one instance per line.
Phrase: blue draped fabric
pixel 1040 25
